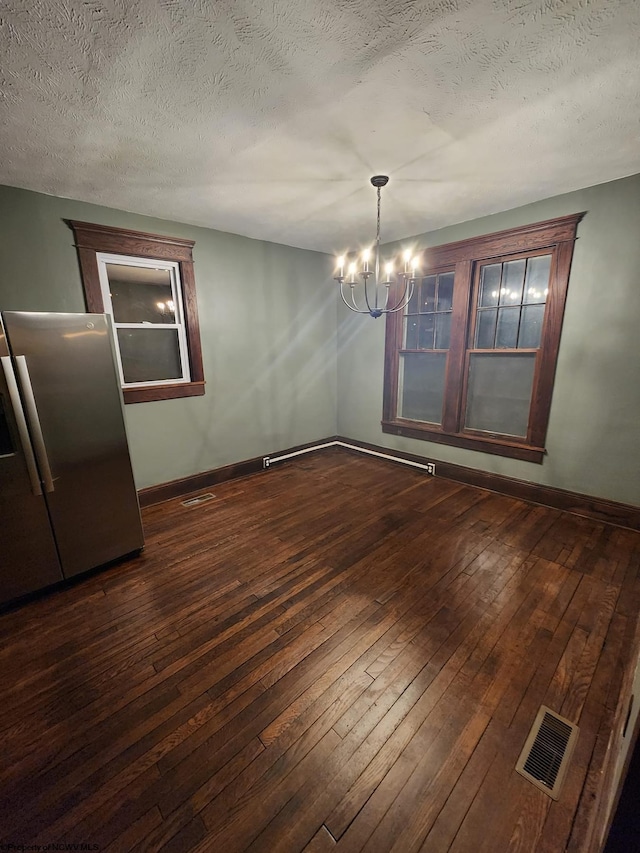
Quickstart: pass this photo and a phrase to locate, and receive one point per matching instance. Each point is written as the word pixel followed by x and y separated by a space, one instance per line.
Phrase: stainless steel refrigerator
pixel 68 502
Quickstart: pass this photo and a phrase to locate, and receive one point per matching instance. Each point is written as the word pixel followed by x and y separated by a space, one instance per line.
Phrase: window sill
pixel 496 446
pixel 163 392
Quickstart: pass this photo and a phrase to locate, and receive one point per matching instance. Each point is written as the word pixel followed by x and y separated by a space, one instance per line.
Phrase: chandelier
pixel 376 295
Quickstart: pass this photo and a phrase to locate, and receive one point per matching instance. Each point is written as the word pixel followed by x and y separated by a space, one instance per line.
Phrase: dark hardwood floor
pixel 340 653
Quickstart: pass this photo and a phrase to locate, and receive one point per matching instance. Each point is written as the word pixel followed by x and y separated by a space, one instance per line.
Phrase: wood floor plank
pixel 175 820
pixel 322 842
pixel 451 815
pixel 133 837
pixel 403 832
pixel 239 832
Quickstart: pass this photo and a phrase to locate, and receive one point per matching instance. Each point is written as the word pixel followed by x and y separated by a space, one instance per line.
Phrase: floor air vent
pixel 547 752
pixel 200 499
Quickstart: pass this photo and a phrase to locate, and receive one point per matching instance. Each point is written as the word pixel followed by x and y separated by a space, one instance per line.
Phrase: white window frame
pixel 104 258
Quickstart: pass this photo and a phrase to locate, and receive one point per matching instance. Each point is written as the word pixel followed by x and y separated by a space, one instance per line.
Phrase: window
pixel 471 360
pixel 146 283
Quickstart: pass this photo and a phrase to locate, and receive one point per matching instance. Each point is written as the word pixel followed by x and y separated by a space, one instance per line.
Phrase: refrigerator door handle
pixel 21 423
pixel 34 420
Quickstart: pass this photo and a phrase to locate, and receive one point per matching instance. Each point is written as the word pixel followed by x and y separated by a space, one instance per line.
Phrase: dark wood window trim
pixel 91 239
pixel 555 236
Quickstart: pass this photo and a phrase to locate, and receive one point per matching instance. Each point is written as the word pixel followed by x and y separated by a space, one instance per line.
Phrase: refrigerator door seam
pixel 21 423
pixel 36 428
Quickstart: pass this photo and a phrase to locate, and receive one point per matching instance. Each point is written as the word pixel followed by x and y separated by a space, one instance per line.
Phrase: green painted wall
pixel 267 319
pixel 593 441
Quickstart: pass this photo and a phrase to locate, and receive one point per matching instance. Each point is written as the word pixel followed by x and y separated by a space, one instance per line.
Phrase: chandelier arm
pixel 352 306
pixel 405 299
pixel 386 298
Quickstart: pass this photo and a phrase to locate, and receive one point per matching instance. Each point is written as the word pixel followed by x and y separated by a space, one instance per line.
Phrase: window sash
pixel 419 395
pixel 104 258
pixel 478 356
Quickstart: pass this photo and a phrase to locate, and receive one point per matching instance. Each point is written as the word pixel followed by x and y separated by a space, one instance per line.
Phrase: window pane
pixel 443 331
pixel 499 392
pixel 507 333
pixel 490 285
pixel 428 297
pixel 537 283
pixel 426 329
pixel 414 302
pixel 411 332
pixel 531 326
pixel 486 329
pixel 445 291
pixel 512 281
pixel 421 386
pixel 140 294
pixel 149 355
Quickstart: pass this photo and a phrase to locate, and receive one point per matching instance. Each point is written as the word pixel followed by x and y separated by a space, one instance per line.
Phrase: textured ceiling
pixel 267 117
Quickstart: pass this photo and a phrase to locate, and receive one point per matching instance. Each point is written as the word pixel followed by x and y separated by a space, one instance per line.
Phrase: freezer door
pixel 28 557
pixel 73 402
